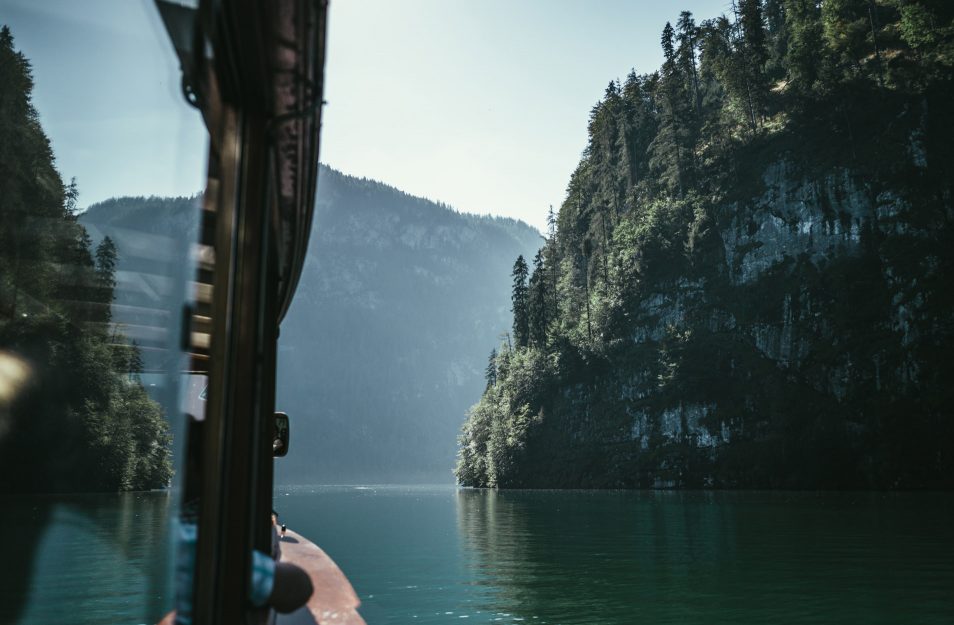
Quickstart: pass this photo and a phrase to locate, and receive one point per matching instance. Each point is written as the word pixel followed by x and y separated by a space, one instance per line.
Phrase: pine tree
pixel 669 148
pixel 604 133
pixel 778 35
pixel 805 44
pixel 639 126
pixel 106 259
pixel 538 318
pixel 754 55
pixel 737 54
pixel 519 299
pixel 490 373
pixel 687 37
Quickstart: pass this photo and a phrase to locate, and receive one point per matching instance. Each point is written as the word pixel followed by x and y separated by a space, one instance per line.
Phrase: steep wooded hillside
pixel 748 282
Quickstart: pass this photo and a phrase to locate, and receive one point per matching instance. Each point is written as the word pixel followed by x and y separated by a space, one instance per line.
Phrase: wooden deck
pixel 334 601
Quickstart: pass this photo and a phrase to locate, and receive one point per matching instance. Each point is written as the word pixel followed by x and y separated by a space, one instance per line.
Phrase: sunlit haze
pixel 482 106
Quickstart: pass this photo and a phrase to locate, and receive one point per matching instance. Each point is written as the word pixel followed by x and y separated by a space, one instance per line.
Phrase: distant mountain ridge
pixel 383 350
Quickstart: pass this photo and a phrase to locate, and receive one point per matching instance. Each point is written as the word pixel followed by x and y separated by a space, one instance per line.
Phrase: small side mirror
pixel 280 440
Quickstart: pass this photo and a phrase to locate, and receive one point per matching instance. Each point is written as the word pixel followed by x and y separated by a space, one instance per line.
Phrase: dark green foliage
pixel 670 150
pixel 737 53
pixel 106 257
pixel 81 421
pixel 754 51
pixel 804 39
pixel 538 303
pixel 765 306
pixel 519 297
pixel 778 35
pixel 688 38
pixel 491 373
pixel 106 262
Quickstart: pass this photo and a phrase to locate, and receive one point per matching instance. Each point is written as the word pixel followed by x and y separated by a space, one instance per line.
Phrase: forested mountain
pixel 152 236
pixel 748 284
pixel 385 344
pixel 74 415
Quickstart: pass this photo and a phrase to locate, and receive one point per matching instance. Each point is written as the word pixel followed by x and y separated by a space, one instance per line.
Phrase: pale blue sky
pixel 482 105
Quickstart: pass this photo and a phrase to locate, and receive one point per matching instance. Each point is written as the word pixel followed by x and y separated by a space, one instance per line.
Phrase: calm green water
pixel 442 555
pixel 82 559
pixel 439 555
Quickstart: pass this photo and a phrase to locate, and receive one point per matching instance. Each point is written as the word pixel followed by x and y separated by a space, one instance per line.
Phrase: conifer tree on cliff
pixel 669 149
pixel 106 258
pixel 687 36
pixel 490 373
pixel 754 53
pixel 537 303
pixel 519 298
pixel 805 42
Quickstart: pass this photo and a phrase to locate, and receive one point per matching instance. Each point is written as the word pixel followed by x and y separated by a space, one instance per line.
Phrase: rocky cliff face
pixel 809 350
pixel 790 328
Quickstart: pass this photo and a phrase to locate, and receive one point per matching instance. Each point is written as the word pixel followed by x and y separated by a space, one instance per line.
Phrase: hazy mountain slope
pixel 384 347
pixel 152 236
pixel 399 304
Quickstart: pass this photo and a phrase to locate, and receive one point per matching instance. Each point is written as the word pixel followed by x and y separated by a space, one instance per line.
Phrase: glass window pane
pixel 101 166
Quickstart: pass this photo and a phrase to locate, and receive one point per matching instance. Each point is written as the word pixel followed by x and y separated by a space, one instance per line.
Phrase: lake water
pixel 85 559
pixel 443 555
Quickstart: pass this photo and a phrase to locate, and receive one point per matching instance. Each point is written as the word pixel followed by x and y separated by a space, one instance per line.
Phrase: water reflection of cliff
pixel 584 557
pixel 711 557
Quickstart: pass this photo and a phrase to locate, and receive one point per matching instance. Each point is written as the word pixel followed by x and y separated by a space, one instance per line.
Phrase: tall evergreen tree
pixel 639 126
pixel 803 58
pixel 669 146
pixel 537 304
pixel 519 299
pixel 778 35
pixel 604 131
pixel 753 51
pixel 738 64
pixel 687 36
pixel 490 373
pixel 106 259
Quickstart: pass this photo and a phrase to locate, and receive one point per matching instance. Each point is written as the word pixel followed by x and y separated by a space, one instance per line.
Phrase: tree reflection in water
pixel 709 557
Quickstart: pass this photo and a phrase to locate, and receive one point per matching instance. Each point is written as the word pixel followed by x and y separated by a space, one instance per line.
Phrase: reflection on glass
pixel 91 558
pixel 90 363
